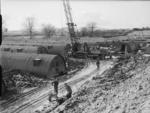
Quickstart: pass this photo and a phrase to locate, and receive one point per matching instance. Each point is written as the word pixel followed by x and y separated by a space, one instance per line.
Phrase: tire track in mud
pixel 19 98
pixel 58 108
pixel 54 107
pixel 44 97
pixel 12 100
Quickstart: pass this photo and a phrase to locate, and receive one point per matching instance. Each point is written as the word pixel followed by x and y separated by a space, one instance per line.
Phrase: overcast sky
pixel 107 14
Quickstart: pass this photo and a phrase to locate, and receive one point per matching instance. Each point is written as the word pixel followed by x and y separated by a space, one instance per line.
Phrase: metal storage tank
pixel 43 65
pixel 53 49
pixel 16 48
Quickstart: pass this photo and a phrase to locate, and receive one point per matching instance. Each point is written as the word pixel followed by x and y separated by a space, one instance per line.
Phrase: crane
pixel 75 42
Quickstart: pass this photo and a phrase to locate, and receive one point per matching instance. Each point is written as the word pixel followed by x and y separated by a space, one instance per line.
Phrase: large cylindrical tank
pixel 44 65
pixel 53 49
pixel 17 48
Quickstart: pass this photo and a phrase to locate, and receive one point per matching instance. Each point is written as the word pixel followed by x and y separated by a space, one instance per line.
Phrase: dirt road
pixel 122 89
pixel 76 82
pixel 39 100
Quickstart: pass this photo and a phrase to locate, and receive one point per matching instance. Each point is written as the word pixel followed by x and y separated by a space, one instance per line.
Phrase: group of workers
pixel 55 83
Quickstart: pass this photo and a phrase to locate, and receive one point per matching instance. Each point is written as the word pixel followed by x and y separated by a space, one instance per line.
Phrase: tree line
pixel 29 24
pixel 90 30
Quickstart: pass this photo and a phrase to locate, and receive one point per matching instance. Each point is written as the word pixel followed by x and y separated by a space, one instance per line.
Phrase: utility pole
pixel 92 30
pixel 92 27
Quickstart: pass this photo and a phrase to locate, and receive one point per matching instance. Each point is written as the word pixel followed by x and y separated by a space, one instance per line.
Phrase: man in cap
pixel 55 83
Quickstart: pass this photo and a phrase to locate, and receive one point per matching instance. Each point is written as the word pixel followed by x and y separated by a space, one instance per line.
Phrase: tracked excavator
pixel 75 40
pixel 78 49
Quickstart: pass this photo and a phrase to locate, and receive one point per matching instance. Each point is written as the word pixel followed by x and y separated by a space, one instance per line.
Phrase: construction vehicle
pixel 78 49
pixel 75 41
pixel 99 50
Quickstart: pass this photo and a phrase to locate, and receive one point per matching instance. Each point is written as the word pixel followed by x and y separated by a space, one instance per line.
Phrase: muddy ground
pixel 22 101
pixel 21 82
pixel 125 88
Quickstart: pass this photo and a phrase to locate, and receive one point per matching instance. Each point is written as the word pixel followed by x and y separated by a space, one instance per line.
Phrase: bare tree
pixel 29 26
pixel 48 30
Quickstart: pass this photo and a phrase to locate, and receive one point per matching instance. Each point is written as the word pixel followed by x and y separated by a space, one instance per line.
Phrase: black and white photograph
pixel 75 56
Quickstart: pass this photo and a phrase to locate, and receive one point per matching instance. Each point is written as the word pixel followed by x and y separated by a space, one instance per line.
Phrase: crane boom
pixel 70 23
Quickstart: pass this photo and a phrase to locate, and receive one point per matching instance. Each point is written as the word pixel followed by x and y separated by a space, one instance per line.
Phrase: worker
pixel 52 97
pixel 98 63
pixel 55 84
pixel 69 91
pixel 61 100
pixel 86 48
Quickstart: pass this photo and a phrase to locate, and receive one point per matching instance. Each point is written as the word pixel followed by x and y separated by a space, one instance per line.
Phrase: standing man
pixel 55 84
pixel 98 63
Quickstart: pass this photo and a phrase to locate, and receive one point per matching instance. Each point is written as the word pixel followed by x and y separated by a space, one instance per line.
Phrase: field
pixel 119 86
pixel 63 40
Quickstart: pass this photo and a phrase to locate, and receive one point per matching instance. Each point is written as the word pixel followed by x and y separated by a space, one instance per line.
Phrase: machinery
pixel 75 41
pixel 79 50
pixel 76 49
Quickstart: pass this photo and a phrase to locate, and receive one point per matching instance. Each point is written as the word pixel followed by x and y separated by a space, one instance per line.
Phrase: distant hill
pixel 140 34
